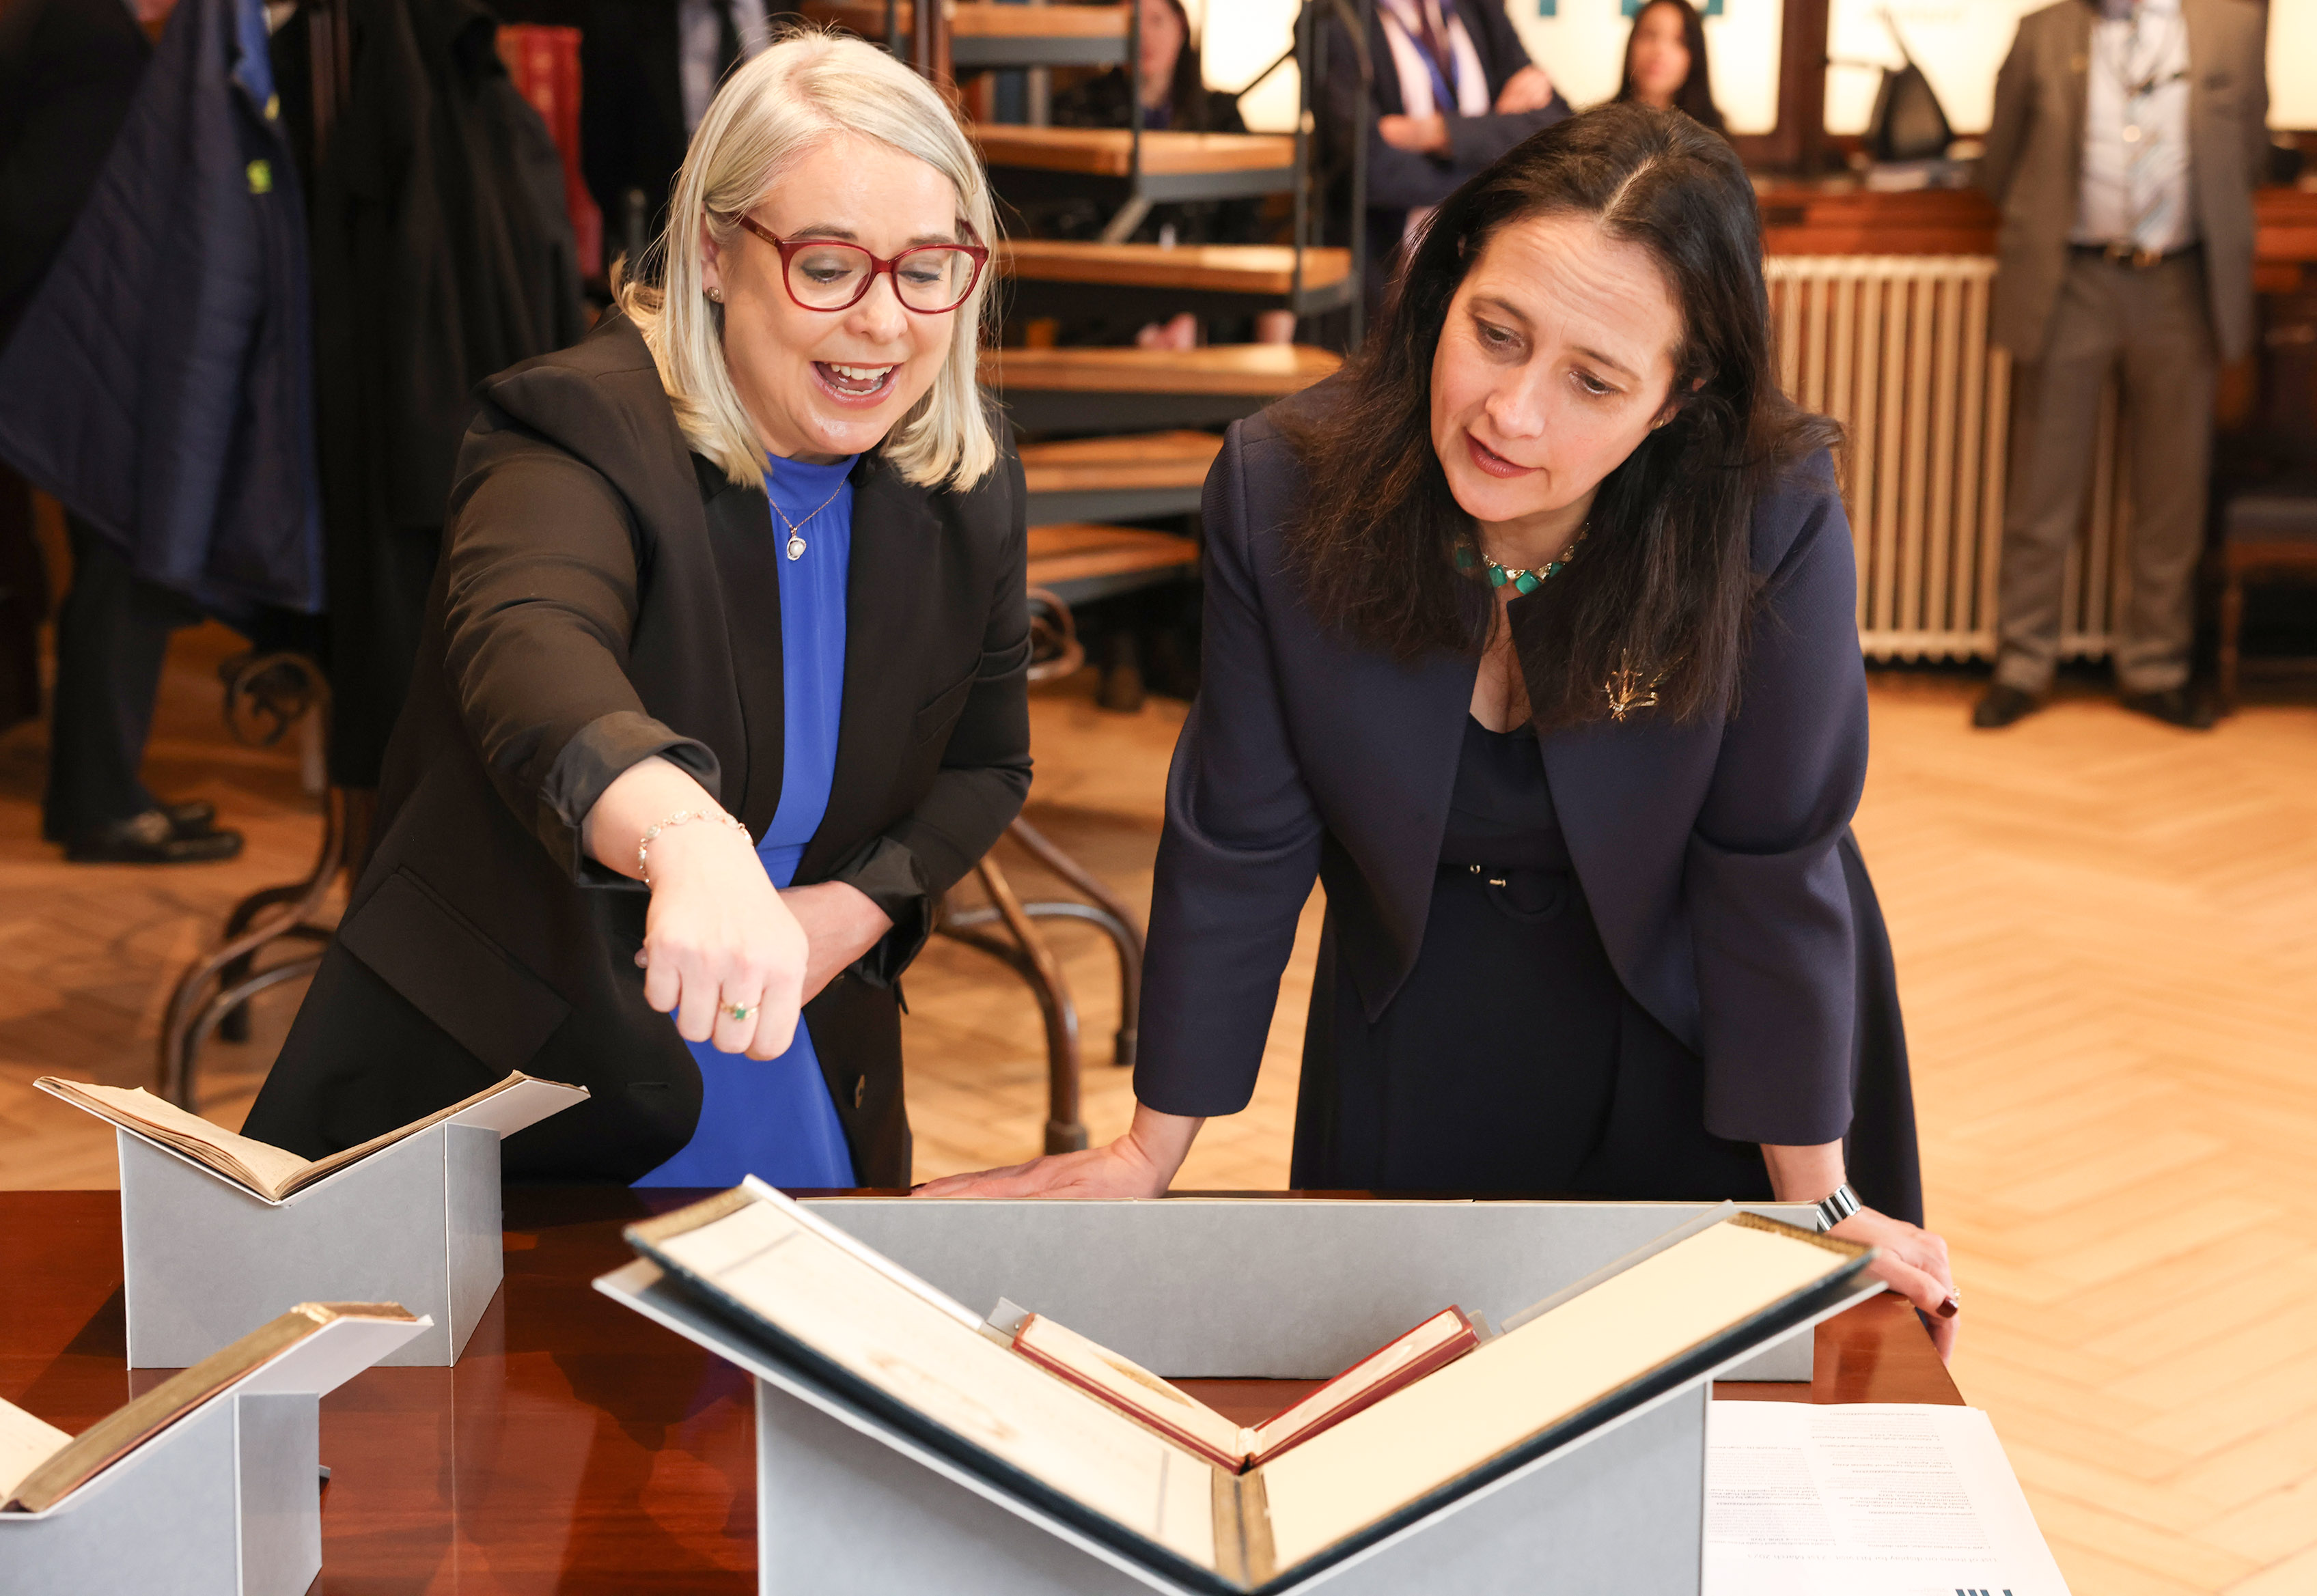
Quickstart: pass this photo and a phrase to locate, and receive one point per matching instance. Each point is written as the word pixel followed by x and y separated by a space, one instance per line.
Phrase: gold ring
pixel 739 1011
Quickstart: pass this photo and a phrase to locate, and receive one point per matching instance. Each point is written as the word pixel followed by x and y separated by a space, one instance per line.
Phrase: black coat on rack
pixel 442 254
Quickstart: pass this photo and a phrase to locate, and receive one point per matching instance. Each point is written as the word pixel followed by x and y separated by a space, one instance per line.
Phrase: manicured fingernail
pixel 1951 1306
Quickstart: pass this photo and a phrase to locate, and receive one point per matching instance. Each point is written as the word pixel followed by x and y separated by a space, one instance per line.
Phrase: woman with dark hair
pixel 1532 636
pixel 1666 68
pixel 1169 77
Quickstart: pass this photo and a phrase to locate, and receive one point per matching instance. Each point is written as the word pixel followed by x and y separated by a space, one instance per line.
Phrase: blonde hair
pixel 807 87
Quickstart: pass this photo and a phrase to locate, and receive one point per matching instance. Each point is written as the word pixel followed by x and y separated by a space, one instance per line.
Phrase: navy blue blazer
pixel 160 382
pixel 1711 852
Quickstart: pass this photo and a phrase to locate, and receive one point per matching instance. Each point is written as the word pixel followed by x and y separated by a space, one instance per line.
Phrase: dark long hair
pixel 1695 94
pixel 1663 585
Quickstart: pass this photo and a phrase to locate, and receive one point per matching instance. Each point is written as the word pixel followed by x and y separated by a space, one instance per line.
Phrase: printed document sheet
pixel 1867 1499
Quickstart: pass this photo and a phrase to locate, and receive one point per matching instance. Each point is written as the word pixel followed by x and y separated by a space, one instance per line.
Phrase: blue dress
pixel 775 1120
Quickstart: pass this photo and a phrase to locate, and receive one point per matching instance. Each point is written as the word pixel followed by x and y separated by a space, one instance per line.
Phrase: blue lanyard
pixel 1444 75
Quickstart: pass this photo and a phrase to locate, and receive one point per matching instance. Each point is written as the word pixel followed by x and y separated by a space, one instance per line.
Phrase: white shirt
pixel 697 24
pixel 2135 176
pixel 1402 27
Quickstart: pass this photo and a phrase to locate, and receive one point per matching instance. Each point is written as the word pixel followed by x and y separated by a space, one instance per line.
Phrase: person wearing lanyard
pixel 2126 140
pixel 723 682
pixel 1452 89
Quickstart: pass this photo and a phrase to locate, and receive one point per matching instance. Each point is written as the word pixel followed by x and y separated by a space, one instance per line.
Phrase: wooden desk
pixel 577 1448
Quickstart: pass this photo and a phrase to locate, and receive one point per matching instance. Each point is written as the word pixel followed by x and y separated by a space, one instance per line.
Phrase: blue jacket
pixel 160 382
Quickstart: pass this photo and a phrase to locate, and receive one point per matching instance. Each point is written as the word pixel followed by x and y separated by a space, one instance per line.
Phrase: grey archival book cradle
pixel 227 1501
pixel 206 1261
pixel 1228 1287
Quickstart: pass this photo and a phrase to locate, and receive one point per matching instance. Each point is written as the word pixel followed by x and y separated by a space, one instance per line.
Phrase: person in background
pixel 1665 63
pixel 1170 79
pixel 67 71
pixel 2126 140
pixel 1452 90
pixel 648 70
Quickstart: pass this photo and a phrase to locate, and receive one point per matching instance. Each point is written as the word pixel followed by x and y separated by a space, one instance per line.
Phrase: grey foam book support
pixel 227 1501
pixel 205 1260
pixel 1218 1289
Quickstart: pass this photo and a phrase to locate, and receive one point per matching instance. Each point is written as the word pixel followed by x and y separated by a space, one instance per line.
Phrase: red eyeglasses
pixel 829 274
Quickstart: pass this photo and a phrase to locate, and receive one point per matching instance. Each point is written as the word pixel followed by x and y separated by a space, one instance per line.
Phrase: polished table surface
pixel 577 1447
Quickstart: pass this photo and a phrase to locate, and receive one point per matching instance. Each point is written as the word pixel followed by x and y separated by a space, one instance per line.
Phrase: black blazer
pixel 1711 853
pixel 605 595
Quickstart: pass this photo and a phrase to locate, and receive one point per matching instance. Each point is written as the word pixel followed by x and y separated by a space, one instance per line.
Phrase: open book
pixel 893 1348
pixel 269 1172
pixel 1191 1424
pixel 41 1465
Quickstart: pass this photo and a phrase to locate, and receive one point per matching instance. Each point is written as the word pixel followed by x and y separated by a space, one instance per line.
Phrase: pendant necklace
pixel 1523 580
pixel 796 545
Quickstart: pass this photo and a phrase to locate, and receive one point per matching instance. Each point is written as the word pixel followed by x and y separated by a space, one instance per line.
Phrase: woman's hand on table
pixel 1913 1261
pixel 1141 1163
pixel 840 924
pixel 1914 1264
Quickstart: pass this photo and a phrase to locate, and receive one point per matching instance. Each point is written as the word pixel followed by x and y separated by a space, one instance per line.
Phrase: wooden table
pixel 577 1448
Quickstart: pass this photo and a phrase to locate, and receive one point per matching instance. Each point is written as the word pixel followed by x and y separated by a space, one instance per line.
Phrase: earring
pixel 716 295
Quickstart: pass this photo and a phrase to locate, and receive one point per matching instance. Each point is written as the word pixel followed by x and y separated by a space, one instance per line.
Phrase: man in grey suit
pixel 2127 138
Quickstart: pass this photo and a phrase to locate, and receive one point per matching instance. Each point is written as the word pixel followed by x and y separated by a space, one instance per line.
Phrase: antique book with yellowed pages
pixel 825 1308
pixel 1183 1419
pixel 271 1174
pixel 41 1465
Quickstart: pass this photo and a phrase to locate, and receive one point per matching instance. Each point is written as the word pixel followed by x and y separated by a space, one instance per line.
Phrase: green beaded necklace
pixel 1523 582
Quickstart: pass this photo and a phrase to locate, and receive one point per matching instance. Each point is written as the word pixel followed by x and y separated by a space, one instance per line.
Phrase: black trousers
pixel 112 635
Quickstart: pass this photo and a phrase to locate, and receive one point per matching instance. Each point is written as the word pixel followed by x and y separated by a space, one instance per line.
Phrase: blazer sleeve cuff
pixel 597 755
pixel 889 875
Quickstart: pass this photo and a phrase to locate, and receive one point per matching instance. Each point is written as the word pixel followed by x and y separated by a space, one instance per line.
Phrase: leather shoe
pixel 2002 705
pixel 149 838
pixel 2175 706
pixel 195 818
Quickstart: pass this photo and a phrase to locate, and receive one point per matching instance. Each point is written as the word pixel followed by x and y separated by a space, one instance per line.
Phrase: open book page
pixel 268 1171
pixel 1425 1435
pixel 1809 1500
pixel 1438 1342
pixel 124 1430
pixel 770 1264
pixel 25 1443
pixel 263 1168
pixel 1126 1385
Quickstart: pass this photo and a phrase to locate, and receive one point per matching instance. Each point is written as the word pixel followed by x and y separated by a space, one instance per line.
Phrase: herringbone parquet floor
pixel 2107 935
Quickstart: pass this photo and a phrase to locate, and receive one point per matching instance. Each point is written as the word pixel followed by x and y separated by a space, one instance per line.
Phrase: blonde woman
pixel 722 682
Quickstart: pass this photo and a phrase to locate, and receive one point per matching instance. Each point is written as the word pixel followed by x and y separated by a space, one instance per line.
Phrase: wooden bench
pixel 1134 390
pixel 983 36
pixel 1152 281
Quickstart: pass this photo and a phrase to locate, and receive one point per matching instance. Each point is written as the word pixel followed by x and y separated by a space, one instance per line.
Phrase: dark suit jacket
pixel 2033 165
pixel 160 380
pixel 604 596
pixel 1401 181
pixel 1709 853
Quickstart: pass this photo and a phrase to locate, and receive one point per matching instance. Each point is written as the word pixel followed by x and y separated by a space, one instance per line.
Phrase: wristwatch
pixel 1836 1207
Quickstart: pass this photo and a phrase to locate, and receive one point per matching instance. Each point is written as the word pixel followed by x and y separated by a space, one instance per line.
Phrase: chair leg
pixel 2231 623
pixel 1035 963
pixel 188 1021
pixel 1103 908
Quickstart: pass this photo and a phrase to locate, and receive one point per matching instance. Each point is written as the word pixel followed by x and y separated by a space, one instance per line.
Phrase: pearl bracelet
pixel 681 817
